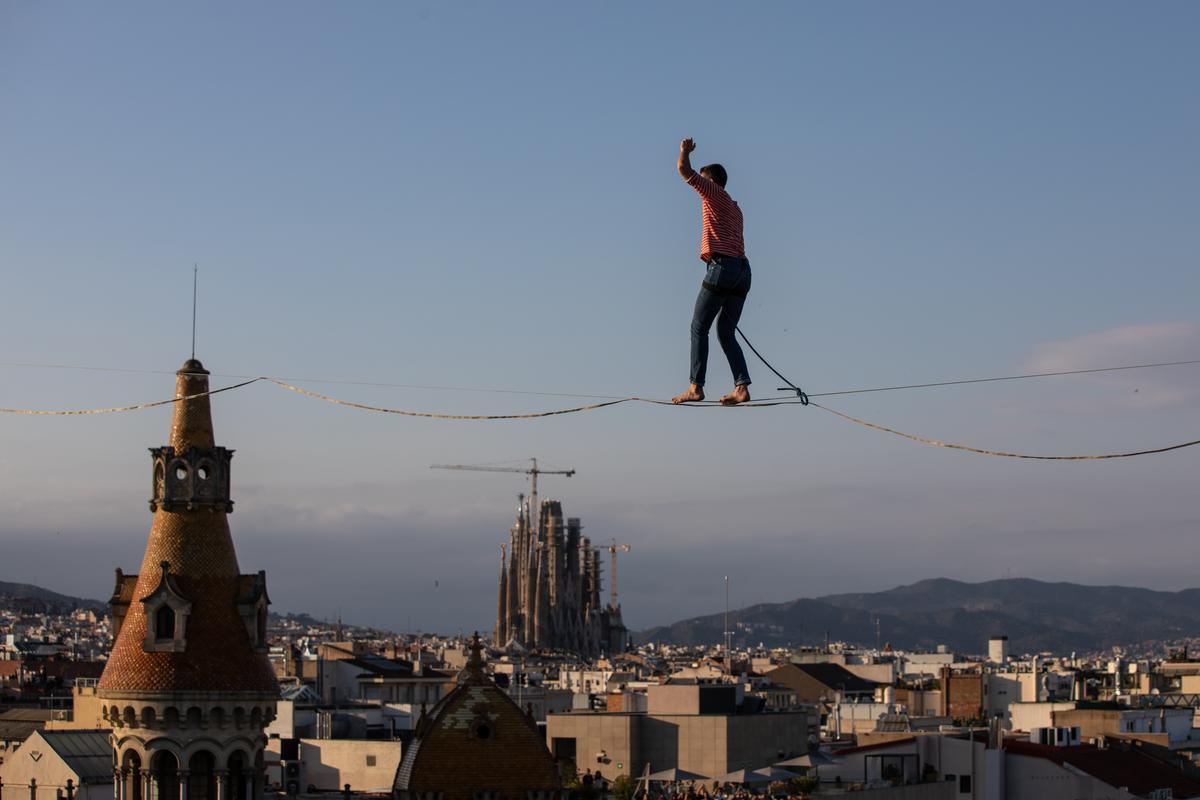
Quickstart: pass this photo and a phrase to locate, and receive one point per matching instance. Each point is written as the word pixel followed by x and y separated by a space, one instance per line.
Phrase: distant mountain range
pixel 1035 615
pixel 28 597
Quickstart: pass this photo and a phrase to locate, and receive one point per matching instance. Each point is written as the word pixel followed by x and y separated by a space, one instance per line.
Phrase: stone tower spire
pixel 541 610
pixel 188 663
pixel 500 637
pixel 552 519
pixel 529 556
pixel 516 622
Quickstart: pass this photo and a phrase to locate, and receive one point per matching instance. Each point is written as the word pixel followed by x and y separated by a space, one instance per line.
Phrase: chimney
pixel 944 709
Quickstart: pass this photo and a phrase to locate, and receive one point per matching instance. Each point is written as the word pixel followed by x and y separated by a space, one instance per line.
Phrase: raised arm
pixel 685 163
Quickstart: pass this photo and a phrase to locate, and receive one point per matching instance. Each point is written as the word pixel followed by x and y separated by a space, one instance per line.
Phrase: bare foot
pixel 740 394
pixel 694 394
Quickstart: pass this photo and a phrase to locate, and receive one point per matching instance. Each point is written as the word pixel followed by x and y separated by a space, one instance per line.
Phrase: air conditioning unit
pixel 1055 737
pixel 291 777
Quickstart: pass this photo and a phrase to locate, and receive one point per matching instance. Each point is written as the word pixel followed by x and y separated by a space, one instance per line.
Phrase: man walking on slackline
pixel 726 281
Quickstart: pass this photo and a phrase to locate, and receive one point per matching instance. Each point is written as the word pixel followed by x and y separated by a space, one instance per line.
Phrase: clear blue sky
pixel 484 195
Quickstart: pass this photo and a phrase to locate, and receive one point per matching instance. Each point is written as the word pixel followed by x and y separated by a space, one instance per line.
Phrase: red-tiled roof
pixel 198 548
pixel 125 588
pixel 476 739
pixel 1115 766
pixel 876 746
pixel 70 670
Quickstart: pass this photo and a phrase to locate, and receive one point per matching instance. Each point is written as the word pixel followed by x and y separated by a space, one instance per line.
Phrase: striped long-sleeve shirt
pixel 722 220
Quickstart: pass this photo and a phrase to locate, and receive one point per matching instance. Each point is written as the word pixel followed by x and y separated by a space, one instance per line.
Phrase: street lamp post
pixel 728 633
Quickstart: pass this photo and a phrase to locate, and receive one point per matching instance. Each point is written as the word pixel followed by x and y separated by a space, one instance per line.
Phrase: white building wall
pixel 588 681
pixel 35 760
pixel 338 681
pixel 853 718
pixel 925 663
pixel 367 765
pixel 1001 689
pixel 1027 716
pixel 879 673
pixel 283 726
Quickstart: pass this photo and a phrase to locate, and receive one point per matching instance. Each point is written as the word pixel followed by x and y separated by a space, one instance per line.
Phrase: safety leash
pixel 790 386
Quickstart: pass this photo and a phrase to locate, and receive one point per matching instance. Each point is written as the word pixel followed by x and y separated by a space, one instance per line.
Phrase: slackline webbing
pixel 759 404
pixel 433 415
pixel 1000 453
pixel 803 398
pixel 489 390
pixel 800 400
pixel 121 409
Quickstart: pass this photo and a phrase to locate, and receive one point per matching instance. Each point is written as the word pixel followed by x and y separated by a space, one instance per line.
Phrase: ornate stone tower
pixel 188 688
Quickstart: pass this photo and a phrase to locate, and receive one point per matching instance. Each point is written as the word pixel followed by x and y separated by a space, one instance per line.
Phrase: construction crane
pixel 613 549
pixel 532 471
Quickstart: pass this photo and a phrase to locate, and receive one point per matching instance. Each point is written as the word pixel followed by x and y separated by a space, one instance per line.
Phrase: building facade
pixel 691 726
pixel 54 764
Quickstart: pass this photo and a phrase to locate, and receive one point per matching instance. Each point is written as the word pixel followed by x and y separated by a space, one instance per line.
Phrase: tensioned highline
pixel 531 393
pixel 616 400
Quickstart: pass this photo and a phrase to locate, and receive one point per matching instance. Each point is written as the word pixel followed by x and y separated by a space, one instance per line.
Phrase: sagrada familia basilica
pixel 550 589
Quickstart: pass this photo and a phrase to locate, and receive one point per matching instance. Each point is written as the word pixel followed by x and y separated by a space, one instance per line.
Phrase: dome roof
pixel 475 739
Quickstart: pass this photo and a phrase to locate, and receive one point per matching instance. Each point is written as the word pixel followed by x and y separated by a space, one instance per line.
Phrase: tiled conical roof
pixel 476 740
pixel 191 541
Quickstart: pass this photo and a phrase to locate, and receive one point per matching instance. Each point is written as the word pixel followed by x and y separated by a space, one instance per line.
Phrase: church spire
pixel 500 637
pixel 190 583
pixel 191 425
pixel 187 687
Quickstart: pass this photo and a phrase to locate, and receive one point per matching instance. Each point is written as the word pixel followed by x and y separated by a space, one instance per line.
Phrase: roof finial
pixel 195 279
pixel 473 671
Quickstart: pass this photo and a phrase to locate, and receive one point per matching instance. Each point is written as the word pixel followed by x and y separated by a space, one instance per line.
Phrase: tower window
pixel 167 612
pixel 181 473
pixel 203 473
pixel 164 623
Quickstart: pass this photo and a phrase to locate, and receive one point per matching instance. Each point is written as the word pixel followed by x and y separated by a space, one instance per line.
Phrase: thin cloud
pixel 1131 344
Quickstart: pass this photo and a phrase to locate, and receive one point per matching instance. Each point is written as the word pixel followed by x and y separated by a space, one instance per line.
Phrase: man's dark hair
pixel 716 174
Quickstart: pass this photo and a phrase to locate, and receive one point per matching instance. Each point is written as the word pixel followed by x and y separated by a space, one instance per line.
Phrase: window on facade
pixel 164 623
pixel 964 783
pixel 370 761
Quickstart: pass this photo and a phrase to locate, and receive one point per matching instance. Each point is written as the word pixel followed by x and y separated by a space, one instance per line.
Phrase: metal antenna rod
pixel 195 274
pixel 728 655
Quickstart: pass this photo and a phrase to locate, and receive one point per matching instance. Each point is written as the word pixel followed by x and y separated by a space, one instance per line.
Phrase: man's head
pixel 715 173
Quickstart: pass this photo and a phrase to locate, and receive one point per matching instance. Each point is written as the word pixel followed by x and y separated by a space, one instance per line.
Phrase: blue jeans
pixel 730 282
